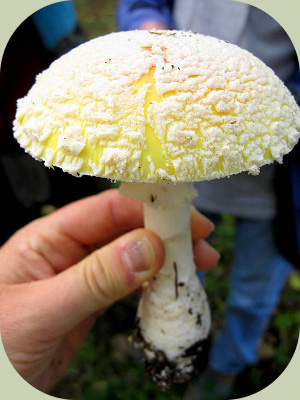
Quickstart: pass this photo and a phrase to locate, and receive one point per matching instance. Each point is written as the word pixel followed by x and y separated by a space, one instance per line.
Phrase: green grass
pixel 97 17
pixel 106 369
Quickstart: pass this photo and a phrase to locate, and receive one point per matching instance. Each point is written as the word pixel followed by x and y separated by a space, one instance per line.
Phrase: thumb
pixel 117 269
pixel 100 279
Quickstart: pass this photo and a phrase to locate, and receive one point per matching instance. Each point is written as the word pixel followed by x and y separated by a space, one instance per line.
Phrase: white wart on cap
pixel 158 107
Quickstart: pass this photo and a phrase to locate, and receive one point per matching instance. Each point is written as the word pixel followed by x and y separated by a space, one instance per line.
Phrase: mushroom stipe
pixel 159 110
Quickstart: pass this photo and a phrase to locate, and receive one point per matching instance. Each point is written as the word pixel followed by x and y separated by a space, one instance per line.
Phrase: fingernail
pixel 138 256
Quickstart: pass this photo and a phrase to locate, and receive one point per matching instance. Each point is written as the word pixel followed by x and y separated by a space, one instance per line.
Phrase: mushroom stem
pixel 173 313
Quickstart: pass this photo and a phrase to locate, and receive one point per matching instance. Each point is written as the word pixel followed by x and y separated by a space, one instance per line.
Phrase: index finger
pixel 98 218
pixel 110 214
pixel 71 233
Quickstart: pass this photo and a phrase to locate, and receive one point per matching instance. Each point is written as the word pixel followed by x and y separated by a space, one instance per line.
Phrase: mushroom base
pixel 164 372
pixel 173 312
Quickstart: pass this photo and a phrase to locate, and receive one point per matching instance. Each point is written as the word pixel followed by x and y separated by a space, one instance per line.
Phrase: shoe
pixel 210 385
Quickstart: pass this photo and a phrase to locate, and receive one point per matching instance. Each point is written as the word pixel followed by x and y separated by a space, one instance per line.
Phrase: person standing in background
pixel 27 184
pixel 259 270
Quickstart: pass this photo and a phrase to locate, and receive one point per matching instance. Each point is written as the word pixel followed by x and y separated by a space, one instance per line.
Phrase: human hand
pixel 60 272
pixel 149 25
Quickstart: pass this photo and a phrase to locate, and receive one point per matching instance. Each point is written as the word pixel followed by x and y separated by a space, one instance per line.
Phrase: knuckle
pixel 98 280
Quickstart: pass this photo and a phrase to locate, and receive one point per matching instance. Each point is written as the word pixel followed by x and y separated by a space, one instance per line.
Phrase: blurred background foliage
pixel 106 368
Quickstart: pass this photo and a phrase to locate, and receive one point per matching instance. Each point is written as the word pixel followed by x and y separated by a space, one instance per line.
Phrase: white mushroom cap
pixel 158 106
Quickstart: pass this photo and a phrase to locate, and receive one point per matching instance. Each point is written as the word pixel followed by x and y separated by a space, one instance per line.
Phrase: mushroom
pixel 159 110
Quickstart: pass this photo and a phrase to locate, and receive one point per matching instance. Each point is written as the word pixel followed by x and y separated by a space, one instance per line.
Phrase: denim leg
pixel 257 276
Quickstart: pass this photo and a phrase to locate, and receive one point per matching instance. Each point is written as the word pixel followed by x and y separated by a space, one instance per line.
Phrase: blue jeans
pixel 257 277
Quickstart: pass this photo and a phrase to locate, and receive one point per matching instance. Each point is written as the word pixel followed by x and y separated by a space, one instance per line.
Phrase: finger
pixel 150 25
pixel 55 306
pixel 201 226
pixel 97 218
pixel 56 242
pixel 68 235
pixel 205 256
pixel 119 268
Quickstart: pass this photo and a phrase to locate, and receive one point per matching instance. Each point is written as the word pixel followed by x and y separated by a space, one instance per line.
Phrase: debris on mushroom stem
pixel 173 313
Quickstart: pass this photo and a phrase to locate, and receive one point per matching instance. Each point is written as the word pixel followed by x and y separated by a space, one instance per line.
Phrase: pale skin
pixel 148 25
pixel 60 272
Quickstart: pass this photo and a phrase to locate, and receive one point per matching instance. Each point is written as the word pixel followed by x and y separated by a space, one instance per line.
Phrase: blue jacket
pixel 132 13
pixel 287 185
pixel 54 22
